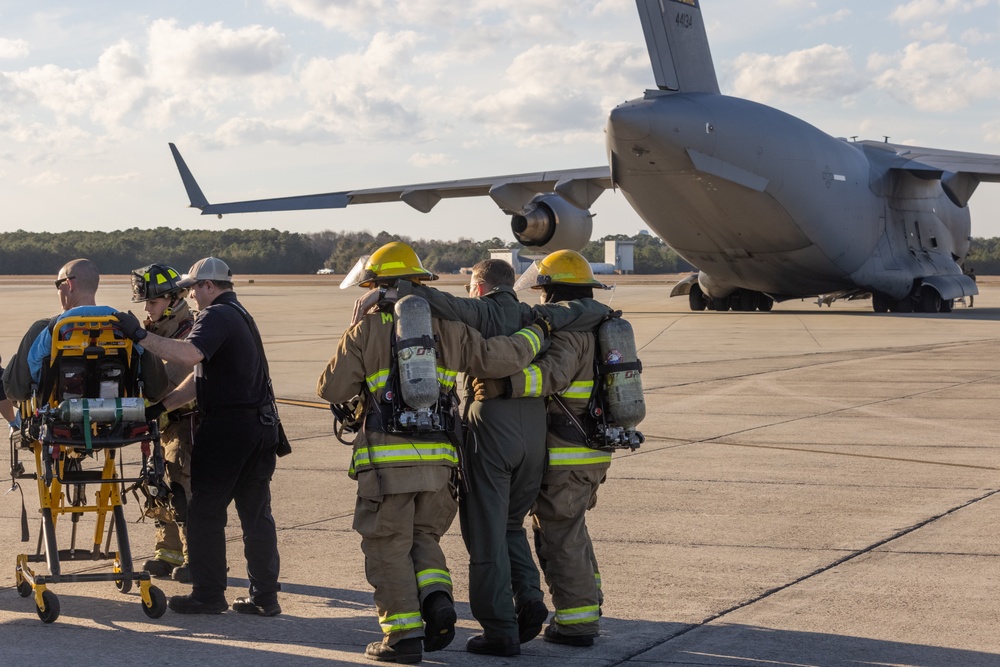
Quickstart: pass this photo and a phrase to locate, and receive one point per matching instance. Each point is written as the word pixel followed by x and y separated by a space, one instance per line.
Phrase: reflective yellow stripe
pixel 446 377
pixel 377 379
pixel 581 389
pixel 536 342
pixel 399 622
pixel 532 381
pixel 578 615
pixel 426 578
pixel 404 452
pixel 574 456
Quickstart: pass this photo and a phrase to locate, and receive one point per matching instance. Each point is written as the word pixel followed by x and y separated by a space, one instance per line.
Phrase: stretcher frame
pixel 60 448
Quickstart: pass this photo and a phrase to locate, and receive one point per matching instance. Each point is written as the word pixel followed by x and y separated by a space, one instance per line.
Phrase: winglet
pixel 678 45
pixel 193 191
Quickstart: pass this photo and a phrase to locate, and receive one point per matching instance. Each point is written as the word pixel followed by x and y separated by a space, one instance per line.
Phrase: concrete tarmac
pixel 817 487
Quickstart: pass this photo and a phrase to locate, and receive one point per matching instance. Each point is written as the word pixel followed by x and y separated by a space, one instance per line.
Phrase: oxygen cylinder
pixel 616 343
pixel 103 410
pixel 415 353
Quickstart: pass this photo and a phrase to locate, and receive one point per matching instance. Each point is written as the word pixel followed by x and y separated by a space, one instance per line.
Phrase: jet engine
pixel 551 223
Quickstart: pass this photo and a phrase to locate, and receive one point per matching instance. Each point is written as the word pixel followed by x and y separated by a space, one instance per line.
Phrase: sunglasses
pixel 60 281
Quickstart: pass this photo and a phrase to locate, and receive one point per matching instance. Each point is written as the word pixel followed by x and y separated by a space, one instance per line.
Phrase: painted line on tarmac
pixel 806 577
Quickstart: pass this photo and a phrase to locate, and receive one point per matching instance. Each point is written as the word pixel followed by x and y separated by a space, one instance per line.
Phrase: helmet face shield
pixel 138 286
pixel 530 279
pixel 359 273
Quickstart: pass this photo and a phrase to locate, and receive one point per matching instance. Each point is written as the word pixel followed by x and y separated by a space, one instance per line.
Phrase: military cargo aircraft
pixel 766 206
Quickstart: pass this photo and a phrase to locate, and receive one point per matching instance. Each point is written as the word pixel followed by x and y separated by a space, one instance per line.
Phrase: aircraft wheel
pixel 947 305
pixel 880 302
pixel 930 300
pixel 747 300
pixel 159 603
pixel 696 298
pixel 51 611
pixel 904 305
pixel 765 303
pixel 721 305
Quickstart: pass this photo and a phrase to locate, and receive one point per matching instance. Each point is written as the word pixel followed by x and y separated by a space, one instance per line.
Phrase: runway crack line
pixel 826 568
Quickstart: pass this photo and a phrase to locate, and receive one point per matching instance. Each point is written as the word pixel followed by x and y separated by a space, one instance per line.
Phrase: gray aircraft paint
pixel 758 200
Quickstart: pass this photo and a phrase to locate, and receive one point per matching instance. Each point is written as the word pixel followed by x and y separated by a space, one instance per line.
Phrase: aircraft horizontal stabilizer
pixel 960 173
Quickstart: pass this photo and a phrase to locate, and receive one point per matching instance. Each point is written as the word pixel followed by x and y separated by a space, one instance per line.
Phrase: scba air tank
pixel 101 410
pixel 623 388
pixel 415 353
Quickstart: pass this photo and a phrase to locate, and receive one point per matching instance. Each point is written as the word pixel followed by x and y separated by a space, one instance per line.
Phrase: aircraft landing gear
pixel 741 300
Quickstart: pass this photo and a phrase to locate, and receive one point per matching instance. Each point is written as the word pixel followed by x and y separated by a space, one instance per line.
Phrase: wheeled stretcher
pixel 87 407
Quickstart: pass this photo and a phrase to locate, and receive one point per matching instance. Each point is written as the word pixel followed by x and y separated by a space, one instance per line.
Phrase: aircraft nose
pixel 629 121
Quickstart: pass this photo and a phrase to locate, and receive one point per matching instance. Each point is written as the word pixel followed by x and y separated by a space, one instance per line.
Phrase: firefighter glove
pixel 154 411
pixel 543 324
pixel 130 326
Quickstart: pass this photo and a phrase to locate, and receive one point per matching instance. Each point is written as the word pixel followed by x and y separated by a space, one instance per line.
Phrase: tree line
pixel 271 251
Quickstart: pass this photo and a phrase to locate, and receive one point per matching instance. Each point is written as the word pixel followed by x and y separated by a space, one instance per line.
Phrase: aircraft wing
pixel 512 193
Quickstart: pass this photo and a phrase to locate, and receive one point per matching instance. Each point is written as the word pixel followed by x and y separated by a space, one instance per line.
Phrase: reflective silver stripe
pixel 581 389
pixel 400 622
pixel 578 615
pixel 402 452
pixel 568 456
pixel 532 381
pixel 426 578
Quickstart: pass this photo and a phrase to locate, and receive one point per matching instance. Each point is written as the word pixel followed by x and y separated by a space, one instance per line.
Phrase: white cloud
pixel 826 19
pixel 975 36
pixel 929 31
pixel 823 72
pixel 44 179
pixel 431 159
pixel 112 178
pixel 556 90
pixel 13 48
pixel 935 77
pixel 992 132
pixel 916 10
pixel 211 51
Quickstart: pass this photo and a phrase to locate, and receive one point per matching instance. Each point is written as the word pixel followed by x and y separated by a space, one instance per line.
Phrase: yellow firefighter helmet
pixel 388 263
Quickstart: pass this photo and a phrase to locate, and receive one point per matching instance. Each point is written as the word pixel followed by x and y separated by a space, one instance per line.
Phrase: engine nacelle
pixel 551 223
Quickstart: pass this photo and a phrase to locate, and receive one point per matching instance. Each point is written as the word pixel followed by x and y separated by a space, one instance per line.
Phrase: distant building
pixel 512 257
pixel 620 255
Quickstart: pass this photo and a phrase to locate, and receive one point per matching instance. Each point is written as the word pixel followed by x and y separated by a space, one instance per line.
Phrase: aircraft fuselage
pixel 760 200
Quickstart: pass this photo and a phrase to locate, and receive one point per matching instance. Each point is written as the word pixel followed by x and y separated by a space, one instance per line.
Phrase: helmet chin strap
pixel 169 311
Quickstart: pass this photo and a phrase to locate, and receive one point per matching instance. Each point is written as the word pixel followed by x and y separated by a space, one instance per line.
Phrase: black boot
pixel 439 619
pixel 530 619
pixel 404 651
pixel 504 646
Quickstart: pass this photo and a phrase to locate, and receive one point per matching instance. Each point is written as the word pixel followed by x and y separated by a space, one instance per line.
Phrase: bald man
pixel 76 285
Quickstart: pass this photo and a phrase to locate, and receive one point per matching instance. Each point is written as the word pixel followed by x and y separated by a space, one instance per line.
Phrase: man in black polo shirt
pixel 234 448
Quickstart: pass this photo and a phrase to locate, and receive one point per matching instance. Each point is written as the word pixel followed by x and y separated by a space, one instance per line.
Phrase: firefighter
pixel 168 315
pixel 407 489
pixel 506 464
pixel 575 470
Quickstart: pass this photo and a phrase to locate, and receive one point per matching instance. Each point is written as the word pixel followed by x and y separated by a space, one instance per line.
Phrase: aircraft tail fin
pixel 678 45
pixel 193 191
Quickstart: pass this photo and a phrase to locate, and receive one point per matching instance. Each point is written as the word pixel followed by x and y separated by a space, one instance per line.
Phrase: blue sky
pixel 282 97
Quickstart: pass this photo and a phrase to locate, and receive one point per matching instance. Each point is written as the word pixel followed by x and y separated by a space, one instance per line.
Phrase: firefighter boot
pixel 439 618
pixel 158 568
pixel 404 651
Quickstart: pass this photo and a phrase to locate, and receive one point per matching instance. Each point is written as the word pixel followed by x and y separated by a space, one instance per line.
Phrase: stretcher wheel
pixel 24 589
pixel 159 603
pixel 123 585
pixel 51 603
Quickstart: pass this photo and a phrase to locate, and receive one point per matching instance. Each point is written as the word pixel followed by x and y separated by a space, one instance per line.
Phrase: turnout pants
pixel 505 469
pixel 564 549
pixel 233 460
pixel 400 538
pixel 171 531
